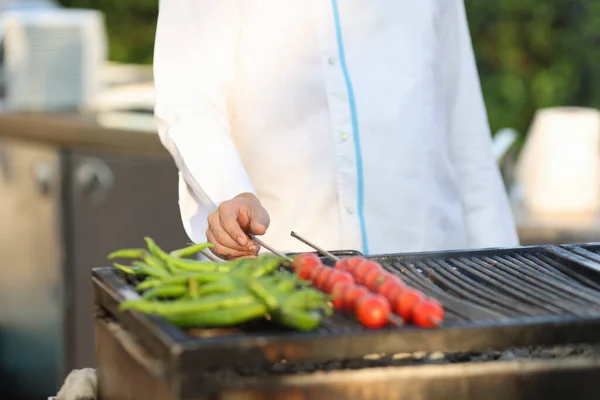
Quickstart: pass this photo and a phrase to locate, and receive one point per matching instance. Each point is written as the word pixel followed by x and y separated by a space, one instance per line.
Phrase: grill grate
pixel 496 298
pixel 509 286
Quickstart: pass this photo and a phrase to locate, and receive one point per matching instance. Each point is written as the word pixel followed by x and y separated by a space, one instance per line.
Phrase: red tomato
pixel 315 272
pixel 305 260
pixel 428 314
pixel 373 279
pixel 373 311
pixel 338 292
pixel 337 277
pixel 352 296
pixel 304 271
pixel 363 269
pixel 406 302
pixel 391 289
pixel 323 277
pixel 382 279
pixel 353 262
pixel 342 264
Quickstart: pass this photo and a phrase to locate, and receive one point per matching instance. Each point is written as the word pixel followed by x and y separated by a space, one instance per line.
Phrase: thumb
pixel 259 221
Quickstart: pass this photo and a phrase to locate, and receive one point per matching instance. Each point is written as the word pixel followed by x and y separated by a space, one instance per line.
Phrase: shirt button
pixel 349 210
pixel 331 61
pixel 344 136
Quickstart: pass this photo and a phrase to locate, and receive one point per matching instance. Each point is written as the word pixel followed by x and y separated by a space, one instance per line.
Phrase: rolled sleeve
pixel 194 66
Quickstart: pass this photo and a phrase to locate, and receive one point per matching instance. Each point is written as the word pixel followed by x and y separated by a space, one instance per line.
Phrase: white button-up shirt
pixel 359 124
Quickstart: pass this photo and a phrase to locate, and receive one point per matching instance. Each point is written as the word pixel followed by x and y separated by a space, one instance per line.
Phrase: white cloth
pixel 358 123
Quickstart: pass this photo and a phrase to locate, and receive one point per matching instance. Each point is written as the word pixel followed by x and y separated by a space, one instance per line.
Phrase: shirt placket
pixel 341 125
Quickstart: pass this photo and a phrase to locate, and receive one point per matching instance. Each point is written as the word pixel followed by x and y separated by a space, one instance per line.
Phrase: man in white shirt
pixel 358 123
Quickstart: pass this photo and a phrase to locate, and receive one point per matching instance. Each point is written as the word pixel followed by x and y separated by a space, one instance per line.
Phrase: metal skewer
pixel 395 320
pixel 272 250
pixel 314 246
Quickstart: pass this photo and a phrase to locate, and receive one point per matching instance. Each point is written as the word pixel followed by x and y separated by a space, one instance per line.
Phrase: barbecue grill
pixel 520 323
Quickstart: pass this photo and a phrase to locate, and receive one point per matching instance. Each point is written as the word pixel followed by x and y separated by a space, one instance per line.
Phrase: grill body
pixel 496 299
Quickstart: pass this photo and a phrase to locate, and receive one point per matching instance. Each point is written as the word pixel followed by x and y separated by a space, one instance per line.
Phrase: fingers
pixel 258 220
pixel 229 225
pixel 223 250
pixel 228 220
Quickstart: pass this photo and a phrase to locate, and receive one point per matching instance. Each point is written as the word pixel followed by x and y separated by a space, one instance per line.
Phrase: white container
pixel 559 167
pixel 53 58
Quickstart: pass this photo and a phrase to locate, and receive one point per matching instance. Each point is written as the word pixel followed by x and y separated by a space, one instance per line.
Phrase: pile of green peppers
pixel 205 294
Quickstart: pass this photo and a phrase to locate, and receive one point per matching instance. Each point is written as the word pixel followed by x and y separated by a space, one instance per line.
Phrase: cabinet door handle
pixel 44 176
pixel 95 179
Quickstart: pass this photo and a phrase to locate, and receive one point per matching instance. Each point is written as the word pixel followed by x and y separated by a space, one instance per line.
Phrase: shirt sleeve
pixel 489 219
pixel 194 66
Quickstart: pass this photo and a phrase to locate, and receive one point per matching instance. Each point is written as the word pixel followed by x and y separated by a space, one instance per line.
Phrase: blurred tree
pixel 131 27
pixel 530 53
pixel 535 53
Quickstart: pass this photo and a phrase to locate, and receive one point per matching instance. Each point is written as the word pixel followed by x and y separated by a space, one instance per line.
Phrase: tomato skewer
pixel 409 303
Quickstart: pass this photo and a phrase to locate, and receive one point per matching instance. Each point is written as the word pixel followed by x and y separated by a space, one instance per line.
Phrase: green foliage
pixel 535 53
pixel 131 26
pixel 530 53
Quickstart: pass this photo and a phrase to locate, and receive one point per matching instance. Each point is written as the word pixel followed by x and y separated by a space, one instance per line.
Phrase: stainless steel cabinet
pixel 113 202
pixel 61 213
pixel 31 270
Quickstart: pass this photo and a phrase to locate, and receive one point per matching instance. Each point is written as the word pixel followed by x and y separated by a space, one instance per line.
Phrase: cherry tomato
pixel 342 264
pixel 338 292
pixel 337 277
pixel 363 269
pixel 304 271
pixel 372 279
pixel 373 311
pixel 306 260
pixel 384 277
pixel 321 280
pixel 353 262
pixel 352 296
pixel 406 302
pixel 428 314
pixel 315 272
pixel 391 289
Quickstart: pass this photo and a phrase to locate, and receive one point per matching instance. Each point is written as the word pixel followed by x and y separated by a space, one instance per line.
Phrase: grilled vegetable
pixel 191 250
pixel 428 314
pixel 406 303
pixel 373 311
pixel 336 277
pixel 304 263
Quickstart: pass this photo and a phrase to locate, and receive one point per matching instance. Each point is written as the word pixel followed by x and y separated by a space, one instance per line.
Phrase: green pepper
pixel 262 294
pixel 156 263
pixel 125 269
pixel 148 270
pixel 209 303
pixel 222 286
pixel 297 319
pixel 193 287
pixel 203 277
pixel 260 266
pixel 197 266
pixel 219 318
pixel 170 291
pixel 155 250
pixel 191 250
pixel 128 253
pixel 148 283
pixel 307 300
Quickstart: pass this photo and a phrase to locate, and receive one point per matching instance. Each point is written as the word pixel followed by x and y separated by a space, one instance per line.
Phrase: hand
pixel 230 224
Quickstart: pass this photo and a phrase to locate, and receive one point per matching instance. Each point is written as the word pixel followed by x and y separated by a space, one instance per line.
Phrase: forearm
pixel 194 66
